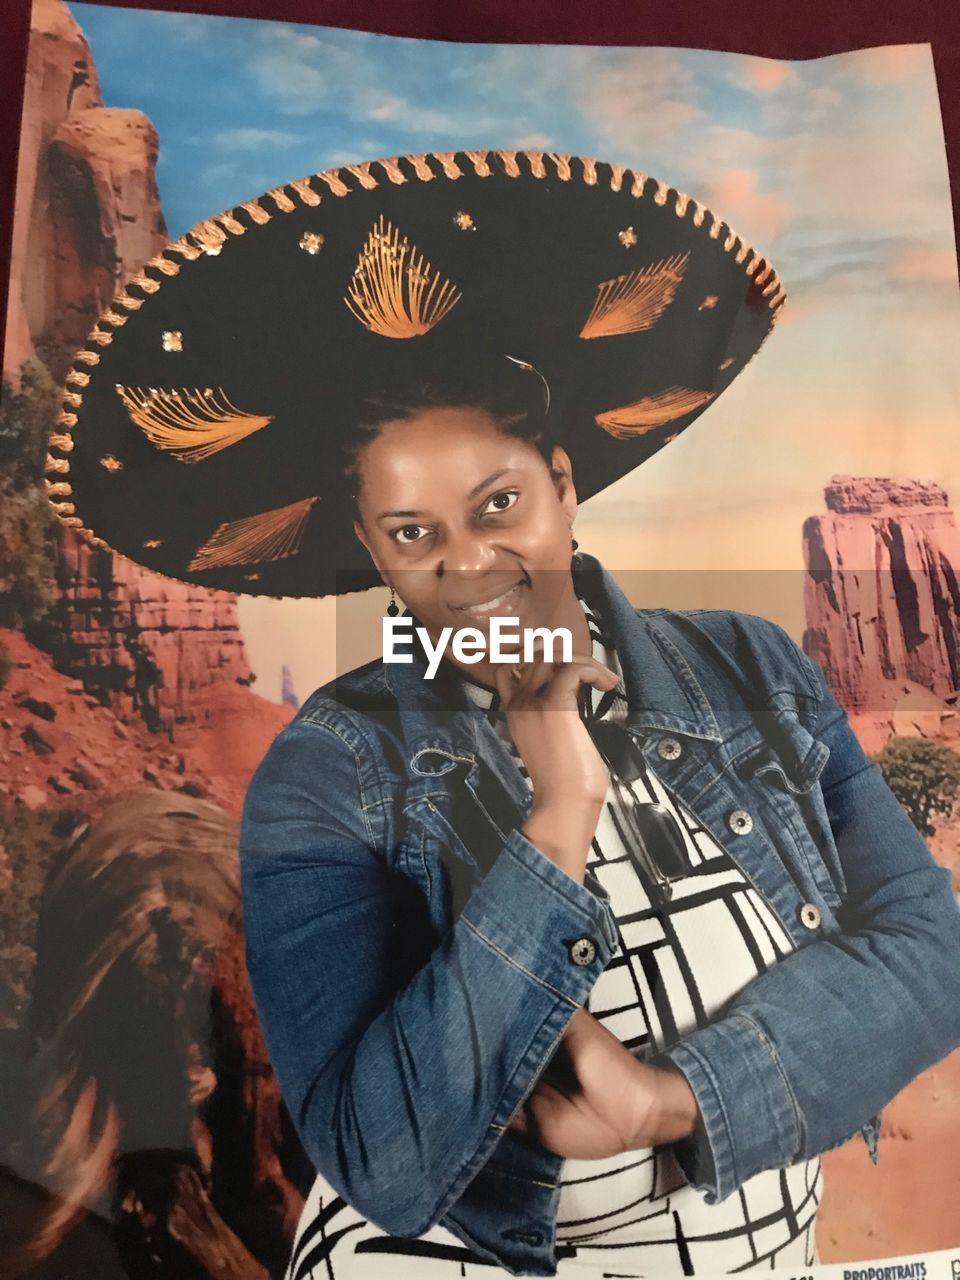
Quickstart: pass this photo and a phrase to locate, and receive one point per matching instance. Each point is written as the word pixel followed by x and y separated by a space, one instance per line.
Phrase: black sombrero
pixel 202 427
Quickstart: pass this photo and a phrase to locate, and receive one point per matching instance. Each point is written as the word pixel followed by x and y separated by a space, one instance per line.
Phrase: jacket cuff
pixel 751 1124
pixel 542 920
pixel 592 882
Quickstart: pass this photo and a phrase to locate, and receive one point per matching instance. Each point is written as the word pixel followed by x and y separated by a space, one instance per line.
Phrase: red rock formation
pixel 882 589
pixel 148 645
pixel 60 77
pixel 87 211
pixel 86 752
pixel 883 620
pixel 88 217
pixel 104 214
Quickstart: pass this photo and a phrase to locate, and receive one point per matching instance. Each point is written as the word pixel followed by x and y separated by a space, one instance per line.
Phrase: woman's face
pixel 466 522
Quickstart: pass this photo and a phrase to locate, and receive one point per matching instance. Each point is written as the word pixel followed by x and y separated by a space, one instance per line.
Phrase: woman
pixel 564 968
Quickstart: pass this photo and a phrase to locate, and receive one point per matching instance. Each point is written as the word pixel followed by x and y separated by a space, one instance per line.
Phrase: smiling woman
pixel 486 528
pixel 564 967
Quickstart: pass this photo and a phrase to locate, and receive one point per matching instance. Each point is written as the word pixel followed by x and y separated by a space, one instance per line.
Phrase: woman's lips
pixel 502 604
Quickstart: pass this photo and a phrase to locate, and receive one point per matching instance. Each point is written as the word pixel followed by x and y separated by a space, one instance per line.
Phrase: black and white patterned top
pixel 675 965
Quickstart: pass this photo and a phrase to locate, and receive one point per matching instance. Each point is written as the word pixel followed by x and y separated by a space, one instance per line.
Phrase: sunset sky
pixel 832 168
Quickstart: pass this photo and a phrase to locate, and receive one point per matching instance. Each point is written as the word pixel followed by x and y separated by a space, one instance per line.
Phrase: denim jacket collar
pixel 442 728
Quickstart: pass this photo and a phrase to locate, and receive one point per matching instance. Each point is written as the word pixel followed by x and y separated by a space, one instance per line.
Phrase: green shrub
pixel 28 523
pixel 32 842
pixel 925 778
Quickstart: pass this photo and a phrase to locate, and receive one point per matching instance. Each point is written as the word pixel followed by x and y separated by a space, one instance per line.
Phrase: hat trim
pixel 212 234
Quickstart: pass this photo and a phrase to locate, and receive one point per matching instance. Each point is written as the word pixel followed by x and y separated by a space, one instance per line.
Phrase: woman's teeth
pixel 488 606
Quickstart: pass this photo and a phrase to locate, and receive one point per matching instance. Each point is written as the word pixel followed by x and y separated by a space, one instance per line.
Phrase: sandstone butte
pixel 158 652
pixel 882 609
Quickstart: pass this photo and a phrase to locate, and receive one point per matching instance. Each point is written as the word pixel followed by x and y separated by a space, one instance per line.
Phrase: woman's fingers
pixel 553 681
pixel 566 682
pixel 556 686
pixel 504 679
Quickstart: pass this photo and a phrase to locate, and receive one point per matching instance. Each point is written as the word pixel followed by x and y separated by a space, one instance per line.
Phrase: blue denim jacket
pixel 410 950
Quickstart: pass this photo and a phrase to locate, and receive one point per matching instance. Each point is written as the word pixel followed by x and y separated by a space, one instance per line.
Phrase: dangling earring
pixel 574 544
pixel 392 607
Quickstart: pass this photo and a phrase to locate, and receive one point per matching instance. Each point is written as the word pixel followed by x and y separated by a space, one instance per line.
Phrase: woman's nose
pixel 466 553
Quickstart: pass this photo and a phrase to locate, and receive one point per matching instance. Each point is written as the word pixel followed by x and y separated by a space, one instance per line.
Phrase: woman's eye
pixel 502 501
pixel 408 533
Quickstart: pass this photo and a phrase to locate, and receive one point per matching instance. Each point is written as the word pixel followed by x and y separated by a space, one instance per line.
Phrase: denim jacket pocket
pixel 787 761
pixel 791 756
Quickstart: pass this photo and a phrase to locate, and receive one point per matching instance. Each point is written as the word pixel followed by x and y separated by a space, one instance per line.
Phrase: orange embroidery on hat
pixel 257 213
pixel 269 535
pixel 306 193
pixel 510 166
pixel 127 301
pixel 185 248
pixel 190 424
pixel 144 282
pixel 281 200
pixel 421 167
pixel 210 236
pixel 481 165
pixel 651 411
pixel 394 291
pixel 635 301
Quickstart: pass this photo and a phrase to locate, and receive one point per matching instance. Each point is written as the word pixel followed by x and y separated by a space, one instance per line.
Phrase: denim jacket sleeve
pixel 400 1065
pixel 812 1049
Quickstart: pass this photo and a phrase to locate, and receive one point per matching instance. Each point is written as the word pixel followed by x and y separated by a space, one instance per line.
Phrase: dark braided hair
pixel 512 393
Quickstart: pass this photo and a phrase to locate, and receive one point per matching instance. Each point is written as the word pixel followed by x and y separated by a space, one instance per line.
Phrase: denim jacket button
pixel 583 951
pixel 739 822
pixel 809 915
pixel 669 748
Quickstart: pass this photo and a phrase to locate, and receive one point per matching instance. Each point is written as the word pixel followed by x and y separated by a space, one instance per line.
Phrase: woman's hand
pixel 541 703
pixel 596 1099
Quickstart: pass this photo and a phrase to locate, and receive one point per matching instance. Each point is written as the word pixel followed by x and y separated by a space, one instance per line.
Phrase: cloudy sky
pixel 833 168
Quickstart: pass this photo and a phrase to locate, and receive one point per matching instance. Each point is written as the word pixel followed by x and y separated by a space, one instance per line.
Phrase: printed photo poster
pixel 142 1131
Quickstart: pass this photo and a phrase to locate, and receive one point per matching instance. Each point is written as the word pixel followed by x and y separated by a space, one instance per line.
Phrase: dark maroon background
pixel 768 28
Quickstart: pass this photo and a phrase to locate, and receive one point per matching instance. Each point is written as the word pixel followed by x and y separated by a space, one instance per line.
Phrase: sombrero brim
pixel 202 426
